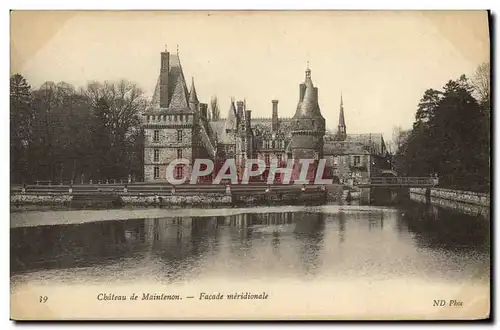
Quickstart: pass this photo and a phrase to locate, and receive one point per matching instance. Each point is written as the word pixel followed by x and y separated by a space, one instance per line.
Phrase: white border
pixel 189 5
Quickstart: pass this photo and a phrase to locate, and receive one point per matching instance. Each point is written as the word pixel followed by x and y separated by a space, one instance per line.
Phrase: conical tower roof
pixel 308 107
pixel 193 97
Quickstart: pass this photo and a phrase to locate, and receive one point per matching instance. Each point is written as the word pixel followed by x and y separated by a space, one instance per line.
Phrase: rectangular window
pixel 179 135
pixel 179 153
pixel 156 135
pixel 280 158
pixel 156 155
pixel 267 158
pixel 178 172
pixel 156 172
pixel 357 160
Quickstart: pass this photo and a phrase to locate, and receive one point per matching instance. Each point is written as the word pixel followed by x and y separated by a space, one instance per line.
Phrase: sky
pixel 380 61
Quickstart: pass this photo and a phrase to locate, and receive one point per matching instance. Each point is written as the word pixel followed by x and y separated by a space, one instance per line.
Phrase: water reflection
pixel 436 227
pixel 414 240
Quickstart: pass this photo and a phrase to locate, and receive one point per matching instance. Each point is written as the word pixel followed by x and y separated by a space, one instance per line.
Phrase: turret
pixel 308 126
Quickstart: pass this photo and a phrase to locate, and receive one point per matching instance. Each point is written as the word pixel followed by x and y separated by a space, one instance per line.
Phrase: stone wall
pixel 46 199
pixel 205 199
pixel 167 145
pixel 455 195
pixel 286 198
pixel 466 208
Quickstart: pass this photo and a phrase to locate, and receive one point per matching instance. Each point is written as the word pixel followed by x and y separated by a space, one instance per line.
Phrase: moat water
pixel 334 261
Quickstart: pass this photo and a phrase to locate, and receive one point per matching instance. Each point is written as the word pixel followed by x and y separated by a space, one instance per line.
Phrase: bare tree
pixel 214 108
pixel 116 107
pixel 481 82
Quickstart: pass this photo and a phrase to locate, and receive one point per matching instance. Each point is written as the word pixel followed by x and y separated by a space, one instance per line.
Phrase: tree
pixel 450 137
pixel 214 108
pixel 21 119
pixel 116 128
pixel 481 83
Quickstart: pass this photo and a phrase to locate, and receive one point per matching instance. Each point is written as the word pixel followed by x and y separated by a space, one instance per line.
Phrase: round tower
pixel 308 125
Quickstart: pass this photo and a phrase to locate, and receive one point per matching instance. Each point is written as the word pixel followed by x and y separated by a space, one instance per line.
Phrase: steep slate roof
pixel 355 144
pixel 179 99
pixel 177 89
pixel 344 148
pixel 219 128
pixel 374 140
pixel 230 123
pixel 155 100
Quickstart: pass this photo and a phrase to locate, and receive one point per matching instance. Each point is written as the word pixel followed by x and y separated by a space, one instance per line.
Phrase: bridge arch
pixel 389 173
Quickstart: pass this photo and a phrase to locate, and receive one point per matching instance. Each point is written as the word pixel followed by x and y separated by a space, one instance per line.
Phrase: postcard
pixel 250 165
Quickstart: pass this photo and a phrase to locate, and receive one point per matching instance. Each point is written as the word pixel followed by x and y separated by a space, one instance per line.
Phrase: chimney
pixel 275 116
pixel 164 79
pixel 203 110
pixel 302 91
pixel 315 94
pixel 239 111
pixel 248 119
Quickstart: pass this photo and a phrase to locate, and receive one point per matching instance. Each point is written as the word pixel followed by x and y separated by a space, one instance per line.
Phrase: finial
pixel 341 102
pixel 165 47
pixel 177 49
pixel 308 70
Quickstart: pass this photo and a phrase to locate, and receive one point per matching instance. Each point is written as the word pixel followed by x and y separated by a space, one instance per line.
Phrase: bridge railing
pixel 404 181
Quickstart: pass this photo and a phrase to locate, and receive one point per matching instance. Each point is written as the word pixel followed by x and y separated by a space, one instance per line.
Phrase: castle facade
pixel 178 126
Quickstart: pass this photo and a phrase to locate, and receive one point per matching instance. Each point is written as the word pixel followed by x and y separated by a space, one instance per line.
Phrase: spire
pixel 308 72
pixel 341 133
pixel 193 97
pixel 341 114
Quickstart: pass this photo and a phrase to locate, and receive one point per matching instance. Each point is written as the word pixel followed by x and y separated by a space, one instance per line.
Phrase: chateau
pixel 177 125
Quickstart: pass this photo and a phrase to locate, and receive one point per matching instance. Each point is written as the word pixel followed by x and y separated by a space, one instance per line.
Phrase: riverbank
pixel 211 196
pixel 465 201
